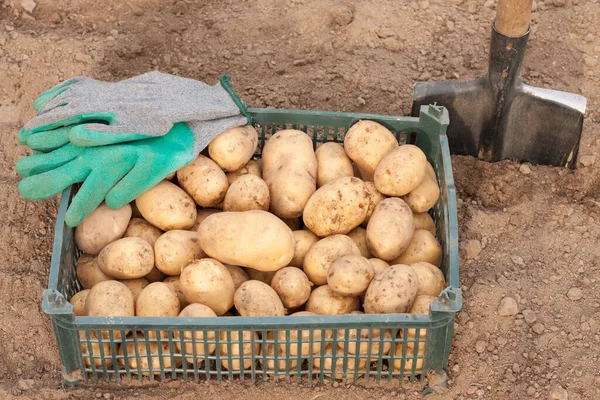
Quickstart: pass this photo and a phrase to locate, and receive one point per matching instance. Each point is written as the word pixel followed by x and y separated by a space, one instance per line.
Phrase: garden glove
pixel 88 112
pixel 117 173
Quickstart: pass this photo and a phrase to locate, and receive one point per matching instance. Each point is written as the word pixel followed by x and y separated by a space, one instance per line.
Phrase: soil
pixel 527 232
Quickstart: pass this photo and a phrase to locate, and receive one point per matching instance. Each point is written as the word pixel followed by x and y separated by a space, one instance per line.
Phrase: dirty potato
pixel 378 264
pixel 255 298
pixel 324 301
pixel 110 299
pixel 319 257
pixel 238 274
pixel 252 167
pixel 424 221
pixel 78 302
pixel 359 235
pixel 136 286
pixel 401 171
pixel 431 279
pixel 232 149
pixel 202 214
pixel 392 290
pixel 196 310
pixel 101 227
pixel 423 247
pixel 126 258
pixel 422 198
pixel 304 240
pixel 175 249
pixel 350 275
pixel 167 207
pixel 139 227
pixel 88 272
pixel 292 286
pixel 390 229
pixel 208 282
pixel 374 198
pixel 175 285
pixel 332 162
pixel 204 181
pixel 248 192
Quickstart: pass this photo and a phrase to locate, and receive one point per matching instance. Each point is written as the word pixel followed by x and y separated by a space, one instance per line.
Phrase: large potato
pixel 366 143
pixel 195 310
pixel 175 285
pixel 305 335
pixel 88 272
pixel 359 235
pixel 136 286
pixel 324 301
pixel 263 276
pixel 252 167
pixel 110 299
pixel 248 192
pixel 238 274
pixel 232 149
pixel 204 181
pixel 78 302
pixel 423 197
pixel 338 370
pixel 333 163
pixel 167 207
pixel 175 249
pixel 292 286
pixel 139 227
pixel 393 290
pixel 126 258
pixel 423 247
pixel 431 279
pixel 208 282
pixel 101 227
pixel 350 275
pixel 157 300
pixel 238 355
pixel 290 170
pixel 424 221
pixel 319 257
pixel 374 337
pixel 304 240
pixel 255 298
pixel 202 214
pixel 401 171
pixel 254 239
pixel 390 229
pixel 374 198
pixel 139 351
pixel 337 207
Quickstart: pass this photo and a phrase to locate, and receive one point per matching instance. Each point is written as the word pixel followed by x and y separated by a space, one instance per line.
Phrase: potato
pixel 366 143
pixel 88 272
pixel 350 275
pixel 238 356
pixel 390 229
pixel 202 214
pixel 424 221
pixel 263 276
pixel 431 279
pixel 238 274
pixel 78 302
pixel 359 235
pixel 248 192
pixel 374 198
pixel 392 290
pixel 292 286
pixel 375 338
pixel 332 163
pixel 175 285
pixel 255 298
pixel 281 360
pixel 338 370
pixel 126 258
pixel 232 149
pixel 378 264
pixel 97 355
pixel 204 181
pixel 136 286
pixel 139 351
pixel 252 167
pixel 290 170
pixel 410 361
pixel 421 306
pixel 401 171
pixel 292 223
pixel 324 301
pixel 337 207
pixel 319 257
pixel 167 207
pixel 170 176
pixel 110 299
pixel 254 239
pixel 208 282
pixel 304 240
pixel 157 300
pixel 195 310
pixel 304 338
pixel 139 227
pixel 155 275
pixel 101 227
pixel 423 197
pixel 175 249
pixel 423 247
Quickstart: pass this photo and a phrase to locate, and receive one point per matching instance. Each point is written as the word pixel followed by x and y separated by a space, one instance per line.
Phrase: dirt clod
pixel 559 394
pixel 472 249
pixel 341 14
pixel 508 306
pixel 575 294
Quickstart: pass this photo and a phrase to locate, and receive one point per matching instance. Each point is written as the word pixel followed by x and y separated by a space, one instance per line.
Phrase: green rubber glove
pixel 116 173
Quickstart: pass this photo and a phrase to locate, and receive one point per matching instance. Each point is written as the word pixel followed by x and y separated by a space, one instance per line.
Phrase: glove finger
pixel 59 117
pixel 49 140
pixel 56 90
pixel 92 192
pixel 41 163
pixel 53 182
pixel 95 134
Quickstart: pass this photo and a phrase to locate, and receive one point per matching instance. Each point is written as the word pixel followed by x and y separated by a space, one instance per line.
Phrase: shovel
pixel 497 116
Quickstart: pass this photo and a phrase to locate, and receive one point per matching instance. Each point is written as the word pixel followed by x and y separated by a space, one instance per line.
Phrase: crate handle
pixel 449 301
pixel 54 303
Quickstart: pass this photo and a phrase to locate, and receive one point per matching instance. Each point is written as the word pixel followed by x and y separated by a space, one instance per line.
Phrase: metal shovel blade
pixel 499 117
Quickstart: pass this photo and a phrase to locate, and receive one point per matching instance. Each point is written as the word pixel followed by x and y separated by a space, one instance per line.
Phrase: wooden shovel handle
pixel 513 16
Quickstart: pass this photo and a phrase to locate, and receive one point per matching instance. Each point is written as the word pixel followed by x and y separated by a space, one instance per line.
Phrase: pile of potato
pixel 340 230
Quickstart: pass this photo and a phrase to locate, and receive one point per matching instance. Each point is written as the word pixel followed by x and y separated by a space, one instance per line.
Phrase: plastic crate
pixel 427 132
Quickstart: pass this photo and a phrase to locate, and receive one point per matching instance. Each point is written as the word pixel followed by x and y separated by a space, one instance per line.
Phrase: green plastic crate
pixel 429 133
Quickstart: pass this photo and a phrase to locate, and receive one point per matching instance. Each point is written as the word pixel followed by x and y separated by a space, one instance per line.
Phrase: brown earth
pixel 527 232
